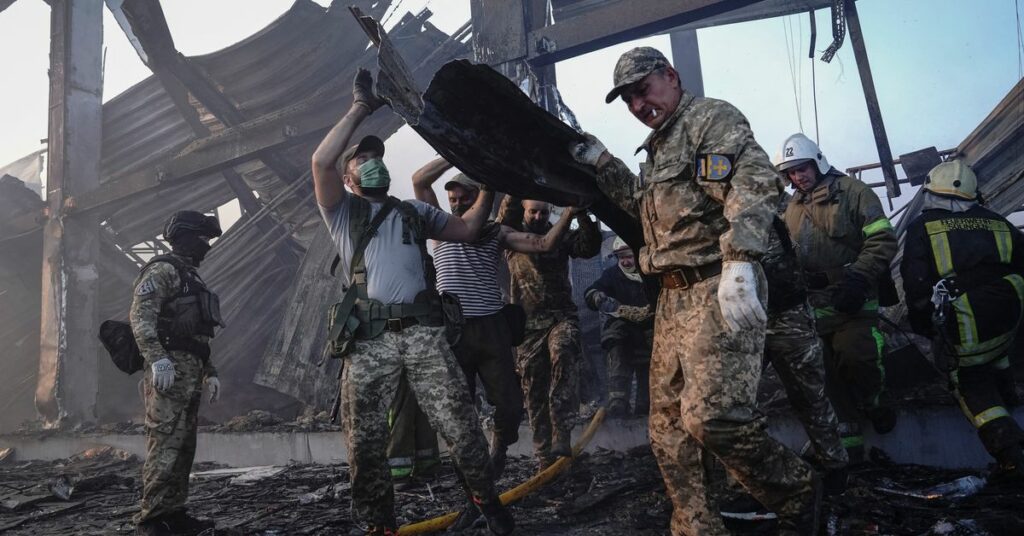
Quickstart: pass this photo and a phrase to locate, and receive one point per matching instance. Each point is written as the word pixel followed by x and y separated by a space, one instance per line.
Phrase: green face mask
pixel 374 174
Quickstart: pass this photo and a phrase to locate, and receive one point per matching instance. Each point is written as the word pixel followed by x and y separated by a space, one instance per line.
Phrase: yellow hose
pixel 522 490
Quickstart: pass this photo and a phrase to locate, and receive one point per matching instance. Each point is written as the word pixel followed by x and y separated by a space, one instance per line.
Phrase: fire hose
pixel 522 490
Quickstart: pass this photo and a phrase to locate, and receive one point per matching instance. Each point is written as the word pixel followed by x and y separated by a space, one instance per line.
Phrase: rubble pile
pixel 605 493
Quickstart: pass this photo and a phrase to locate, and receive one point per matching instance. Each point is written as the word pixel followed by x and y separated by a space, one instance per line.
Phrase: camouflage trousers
pixel 171 423
pixel 703 401
pixel 412 447
pixel 794 349
pixel 548 364
pixel 368 385
pixel 628 349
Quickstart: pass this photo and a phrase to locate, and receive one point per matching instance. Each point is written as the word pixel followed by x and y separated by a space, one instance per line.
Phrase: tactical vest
pixel 193 312
pixel 357 316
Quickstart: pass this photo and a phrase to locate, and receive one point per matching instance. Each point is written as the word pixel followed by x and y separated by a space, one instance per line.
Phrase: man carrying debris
pixel 963 277
pixel 705 199
pixel 627 332
pixel 397 321
pixel 794 349
pixel 548 360
pixel 173 316
pixel 845 243
pixel 470 272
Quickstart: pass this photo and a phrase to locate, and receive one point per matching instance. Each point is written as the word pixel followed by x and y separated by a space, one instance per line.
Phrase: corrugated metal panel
pixel 309 52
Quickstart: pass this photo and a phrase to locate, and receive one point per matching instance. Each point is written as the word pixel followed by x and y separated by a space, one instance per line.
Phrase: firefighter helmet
pixel 952 179
pixel 798 149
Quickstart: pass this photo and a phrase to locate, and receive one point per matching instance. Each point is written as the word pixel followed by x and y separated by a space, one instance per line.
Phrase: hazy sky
pixel 940 66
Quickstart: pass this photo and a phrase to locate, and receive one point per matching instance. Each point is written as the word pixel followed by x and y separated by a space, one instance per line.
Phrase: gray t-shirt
pixel 394 270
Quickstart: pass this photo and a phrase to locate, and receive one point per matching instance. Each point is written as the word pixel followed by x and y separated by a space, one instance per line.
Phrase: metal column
pixel 686 60
pixel 892 187
pixel 68 377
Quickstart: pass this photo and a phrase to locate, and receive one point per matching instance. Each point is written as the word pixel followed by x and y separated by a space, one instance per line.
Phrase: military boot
pixel 836 480
pixel 381 530
pixel 618 408
pixel 499 519
pixel 157 526
pixel 182 523
pixel 1009 467
pixel 883 418
pixel 807 520
pixel 561 444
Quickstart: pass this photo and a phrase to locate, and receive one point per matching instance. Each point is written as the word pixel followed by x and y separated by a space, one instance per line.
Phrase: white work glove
pixel 737 296
pixel 213 384
pixel 163 374
pixel 588 151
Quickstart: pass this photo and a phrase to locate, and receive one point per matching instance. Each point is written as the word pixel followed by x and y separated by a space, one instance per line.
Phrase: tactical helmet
pixel 798 149
pixel 184 221
pixel 952 179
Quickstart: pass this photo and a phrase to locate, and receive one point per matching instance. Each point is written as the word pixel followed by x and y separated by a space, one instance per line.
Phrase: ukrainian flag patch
pixel 714 167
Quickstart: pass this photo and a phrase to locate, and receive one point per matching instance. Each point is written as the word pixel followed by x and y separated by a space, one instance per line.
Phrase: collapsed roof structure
pixel 241 124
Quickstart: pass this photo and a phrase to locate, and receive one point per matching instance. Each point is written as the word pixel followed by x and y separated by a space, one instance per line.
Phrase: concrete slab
pixel 939 437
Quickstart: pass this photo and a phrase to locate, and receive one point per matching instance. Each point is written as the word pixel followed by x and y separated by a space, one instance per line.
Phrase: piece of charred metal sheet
pixel 484 125
pixel 394 79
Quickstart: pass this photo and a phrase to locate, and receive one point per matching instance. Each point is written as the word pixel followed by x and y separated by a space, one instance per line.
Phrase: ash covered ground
pixel 605 493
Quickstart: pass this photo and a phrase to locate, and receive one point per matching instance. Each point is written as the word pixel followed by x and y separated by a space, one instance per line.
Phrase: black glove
pixel 362 91
pixel 851 293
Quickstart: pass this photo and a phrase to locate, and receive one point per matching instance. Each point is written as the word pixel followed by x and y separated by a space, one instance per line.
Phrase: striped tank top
pixel 470 272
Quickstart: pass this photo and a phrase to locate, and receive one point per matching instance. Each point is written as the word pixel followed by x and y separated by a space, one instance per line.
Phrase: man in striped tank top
pixel 470 272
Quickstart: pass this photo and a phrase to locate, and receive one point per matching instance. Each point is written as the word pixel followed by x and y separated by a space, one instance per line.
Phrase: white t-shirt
pixel 394 270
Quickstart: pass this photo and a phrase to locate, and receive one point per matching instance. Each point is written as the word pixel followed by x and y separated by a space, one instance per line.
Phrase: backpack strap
pixel 414 229
pixel 358 265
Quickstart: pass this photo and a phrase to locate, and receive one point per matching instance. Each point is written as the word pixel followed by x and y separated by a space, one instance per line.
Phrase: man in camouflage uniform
pixel 174 342
pixel 705 199
pixel 548 359
pixel 409 340
pixel 794 350
pixel 845 243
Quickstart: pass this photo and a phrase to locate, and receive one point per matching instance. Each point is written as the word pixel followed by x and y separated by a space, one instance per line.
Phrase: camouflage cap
pixel 633 66
pixel 462 180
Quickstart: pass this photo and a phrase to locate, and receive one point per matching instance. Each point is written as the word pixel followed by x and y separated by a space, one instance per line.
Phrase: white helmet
pixel 619 245
pixel 798 149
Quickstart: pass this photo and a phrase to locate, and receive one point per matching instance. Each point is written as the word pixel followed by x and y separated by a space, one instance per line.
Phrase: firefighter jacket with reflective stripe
pixel 840 225
pixel 982 256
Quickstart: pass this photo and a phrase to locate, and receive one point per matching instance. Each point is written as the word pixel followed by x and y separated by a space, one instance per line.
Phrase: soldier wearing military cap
pixel 705 198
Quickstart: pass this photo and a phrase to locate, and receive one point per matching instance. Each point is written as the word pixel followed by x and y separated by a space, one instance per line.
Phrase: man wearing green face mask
pixel 398 332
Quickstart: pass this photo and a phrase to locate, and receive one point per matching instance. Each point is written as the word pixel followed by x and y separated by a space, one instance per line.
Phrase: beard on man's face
pixel 536 226
pixel 459 210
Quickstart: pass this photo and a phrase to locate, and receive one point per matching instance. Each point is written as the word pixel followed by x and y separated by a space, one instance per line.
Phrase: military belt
pixel 687 276
pixel 398 324
pixel 396 316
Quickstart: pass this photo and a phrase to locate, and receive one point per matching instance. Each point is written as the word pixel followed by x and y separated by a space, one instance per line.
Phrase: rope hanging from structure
pixel 795 67
pixel 1020 41
pixel 838 30
pixel 814 78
